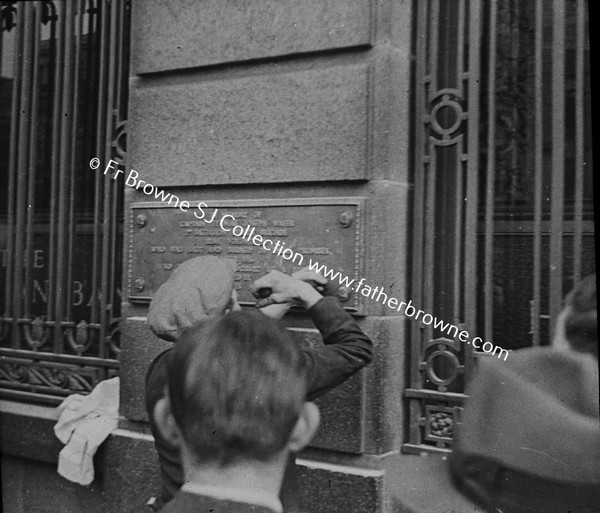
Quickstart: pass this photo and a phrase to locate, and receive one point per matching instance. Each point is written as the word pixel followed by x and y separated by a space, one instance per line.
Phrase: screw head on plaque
pixel 346 219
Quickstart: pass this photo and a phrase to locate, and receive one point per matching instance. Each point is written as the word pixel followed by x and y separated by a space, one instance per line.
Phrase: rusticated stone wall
pixel 277 99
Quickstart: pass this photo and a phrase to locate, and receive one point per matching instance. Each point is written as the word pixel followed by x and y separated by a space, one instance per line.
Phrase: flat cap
pixel 197 290
pixel 529 439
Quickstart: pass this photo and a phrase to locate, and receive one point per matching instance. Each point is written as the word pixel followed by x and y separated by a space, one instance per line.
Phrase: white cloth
pixel 85 421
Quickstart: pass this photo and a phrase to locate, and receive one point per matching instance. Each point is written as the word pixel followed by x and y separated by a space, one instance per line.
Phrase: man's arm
pixel 346 349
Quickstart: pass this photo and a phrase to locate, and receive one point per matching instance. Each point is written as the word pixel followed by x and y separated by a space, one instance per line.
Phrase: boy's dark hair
pixel 581 324
pixel 237 385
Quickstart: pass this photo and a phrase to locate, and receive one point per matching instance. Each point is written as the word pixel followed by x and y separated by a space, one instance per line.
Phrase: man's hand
pixel 276 311
pixel 279 288
pixel 312 278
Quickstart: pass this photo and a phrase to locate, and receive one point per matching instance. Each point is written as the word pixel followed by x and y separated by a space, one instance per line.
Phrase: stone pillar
pixel 273 100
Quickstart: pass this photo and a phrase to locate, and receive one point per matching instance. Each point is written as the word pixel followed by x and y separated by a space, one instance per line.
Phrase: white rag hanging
pixel 85 421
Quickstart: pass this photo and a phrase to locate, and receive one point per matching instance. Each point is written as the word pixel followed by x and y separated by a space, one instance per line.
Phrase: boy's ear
pixel 305 428
pixel 165 422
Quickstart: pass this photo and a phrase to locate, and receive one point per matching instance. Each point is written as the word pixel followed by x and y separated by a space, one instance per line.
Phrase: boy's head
pixel 197 290
pixel 577 326
pixel 237 387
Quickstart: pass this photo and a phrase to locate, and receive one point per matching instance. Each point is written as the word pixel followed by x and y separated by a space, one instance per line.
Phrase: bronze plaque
pixel 260 235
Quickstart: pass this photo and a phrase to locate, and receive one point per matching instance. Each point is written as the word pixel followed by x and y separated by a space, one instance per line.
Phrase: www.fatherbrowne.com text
pixel 378 294
pixel 228 223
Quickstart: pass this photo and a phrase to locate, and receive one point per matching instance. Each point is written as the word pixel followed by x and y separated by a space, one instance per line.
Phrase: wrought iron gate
pixel 503 213
pixel 63 71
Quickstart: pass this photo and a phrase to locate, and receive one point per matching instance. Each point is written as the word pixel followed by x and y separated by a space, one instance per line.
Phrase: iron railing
pixel 503 221
pixel 65 66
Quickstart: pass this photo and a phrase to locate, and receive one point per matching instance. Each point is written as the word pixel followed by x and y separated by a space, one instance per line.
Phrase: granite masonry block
pixel 30 486
pixel 138 349
pixel 179 34
pixel 126 471
pixel 329 488
pixel 342 409
pixel 293 126
pixel 385 381
pixel 342 417
pixel 133 474
pixel 386 248
pixel 26 431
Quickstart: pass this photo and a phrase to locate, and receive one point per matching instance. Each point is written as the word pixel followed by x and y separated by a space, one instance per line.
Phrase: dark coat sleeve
pixel 345 350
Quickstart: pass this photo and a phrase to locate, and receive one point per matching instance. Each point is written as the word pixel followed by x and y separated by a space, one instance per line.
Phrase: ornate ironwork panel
pixel 502 204
pixel 63 78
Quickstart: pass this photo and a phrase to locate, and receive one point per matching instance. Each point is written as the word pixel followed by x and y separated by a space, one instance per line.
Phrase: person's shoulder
pixel 536 413
pixel 537 363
